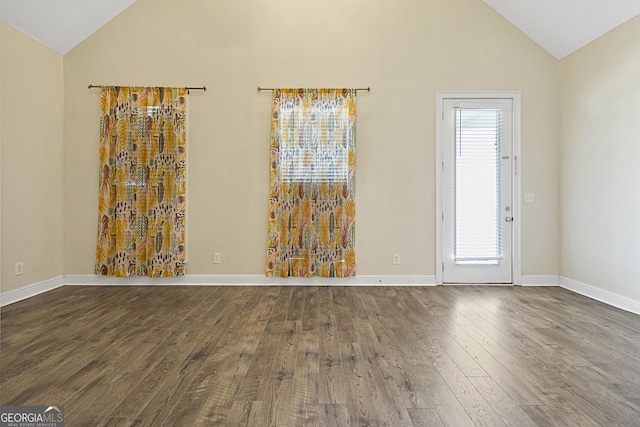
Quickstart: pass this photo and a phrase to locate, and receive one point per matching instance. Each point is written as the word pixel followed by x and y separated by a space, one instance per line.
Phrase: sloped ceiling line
pixel 559 26
pixel 60 24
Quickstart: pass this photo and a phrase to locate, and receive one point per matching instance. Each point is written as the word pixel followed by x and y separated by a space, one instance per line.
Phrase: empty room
pixel 320 213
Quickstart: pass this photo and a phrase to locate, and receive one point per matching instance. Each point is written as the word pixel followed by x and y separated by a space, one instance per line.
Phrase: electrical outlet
pixel 529 198
pixel 396 258
pixel 216 258
pixel 19 268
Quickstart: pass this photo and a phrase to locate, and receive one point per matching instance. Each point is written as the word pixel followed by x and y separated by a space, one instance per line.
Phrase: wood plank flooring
pixel 322 356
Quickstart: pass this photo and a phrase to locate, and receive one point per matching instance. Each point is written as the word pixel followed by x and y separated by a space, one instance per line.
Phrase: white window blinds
pixel 314 146
pixel 477 186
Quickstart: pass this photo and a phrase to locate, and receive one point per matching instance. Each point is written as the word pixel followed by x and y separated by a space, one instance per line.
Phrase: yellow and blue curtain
pixel 142 190
pixel 312 183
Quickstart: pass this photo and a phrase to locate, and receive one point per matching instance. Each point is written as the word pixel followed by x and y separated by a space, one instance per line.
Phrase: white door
pixel 477 193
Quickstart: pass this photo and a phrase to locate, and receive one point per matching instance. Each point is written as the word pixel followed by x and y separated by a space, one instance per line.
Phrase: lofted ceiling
pixel 559 26
pixel 564 26
pixel 60 24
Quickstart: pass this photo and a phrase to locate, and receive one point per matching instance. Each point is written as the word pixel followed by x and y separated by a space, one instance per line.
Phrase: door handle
pixel 509 219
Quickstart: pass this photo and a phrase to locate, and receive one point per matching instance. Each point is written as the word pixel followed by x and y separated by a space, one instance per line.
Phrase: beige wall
pixel 31 97
pixel 600 186
pixel 405 50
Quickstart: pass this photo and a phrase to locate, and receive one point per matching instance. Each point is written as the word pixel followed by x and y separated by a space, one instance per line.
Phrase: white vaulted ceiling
pixel 559 26
pixel 564 26
pixel 60 24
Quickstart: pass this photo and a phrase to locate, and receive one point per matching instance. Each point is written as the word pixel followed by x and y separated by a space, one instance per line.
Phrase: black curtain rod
pixel 204 88
pixel 368 89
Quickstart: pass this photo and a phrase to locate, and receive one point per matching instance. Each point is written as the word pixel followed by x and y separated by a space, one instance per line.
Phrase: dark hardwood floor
pixel 322 356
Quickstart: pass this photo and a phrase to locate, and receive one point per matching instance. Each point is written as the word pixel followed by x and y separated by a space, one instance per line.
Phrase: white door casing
pixel 478 188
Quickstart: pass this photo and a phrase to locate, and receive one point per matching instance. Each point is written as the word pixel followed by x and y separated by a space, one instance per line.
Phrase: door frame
pixel 516 177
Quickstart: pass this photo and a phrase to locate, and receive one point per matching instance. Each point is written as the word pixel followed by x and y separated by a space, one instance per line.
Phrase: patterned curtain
pixel 312 183
pixel 141 199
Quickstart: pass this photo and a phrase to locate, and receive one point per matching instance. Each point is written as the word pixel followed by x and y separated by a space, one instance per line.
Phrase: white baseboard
pixel 34 289
pixel 29 291
pixel 601 295
pixel 251 279
pixel 540 280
